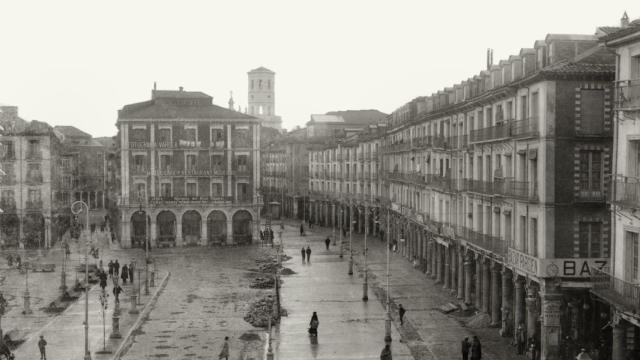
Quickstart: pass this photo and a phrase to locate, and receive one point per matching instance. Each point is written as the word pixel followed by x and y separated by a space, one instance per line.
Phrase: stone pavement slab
pixel 349 328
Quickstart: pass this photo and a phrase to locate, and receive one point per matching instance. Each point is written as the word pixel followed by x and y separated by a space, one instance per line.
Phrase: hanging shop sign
pixel 523 262
pixel 551 313
pixel 571 267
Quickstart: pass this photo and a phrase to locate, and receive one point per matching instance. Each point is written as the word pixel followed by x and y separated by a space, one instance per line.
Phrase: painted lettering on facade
pixel 521 261
pixel 571 267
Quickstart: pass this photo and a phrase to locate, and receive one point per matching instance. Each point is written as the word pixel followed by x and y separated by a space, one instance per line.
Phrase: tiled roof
pixel 633 27
pixel 360 116
pixel 326 118
pixel 162 110
pixel 179 94
pixel 595 61
pixel 71 131
pixel 262 69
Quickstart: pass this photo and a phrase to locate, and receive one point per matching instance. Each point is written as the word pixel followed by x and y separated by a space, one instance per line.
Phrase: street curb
pixel 126 341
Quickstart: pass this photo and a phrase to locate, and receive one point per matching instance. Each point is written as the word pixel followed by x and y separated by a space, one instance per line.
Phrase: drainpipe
pixel 616 131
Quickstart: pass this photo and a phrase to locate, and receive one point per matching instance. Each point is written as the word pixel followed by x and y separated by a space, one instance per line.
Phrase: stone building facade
pixel 497 187
pixel 618 285
pixel 189 171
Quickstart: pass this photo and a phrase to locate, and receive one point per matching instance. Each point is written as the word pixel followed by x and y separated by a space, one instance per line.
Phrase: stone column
pixel 434 259
pixel 496 300
pixel 478 274
pixel 154 234
pixel 486 286
pixel 461 273
pixel 179 239
pixel 518 299
pixel 454 269
pixel 439 264
pixel 618 344
pixel 447 268
pixel 551 331
pixel 468 278
pixel 507 302
pixel 203 232
pixel 532 309
pixel 230 232
pixel 428 257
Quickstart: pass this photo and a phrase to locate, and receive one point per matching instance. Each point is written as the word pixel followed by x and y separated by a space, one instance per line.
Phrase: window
pixel 34 149
pixel 523 107
pixel 633 158
pixel 34 196
pixel 138 135
pixel 165 162
pixel 217 138
pixel 217 164
pixel 192 189
pixel 191 162
pixel 251 84
pixel 523 235
pixel 164 136
pixel 632 262
pixel 534 237
pixel 591 176
pixel 592 111
pixel 66 182
pixel 260 84
pixel 590 235
pixel 535 104
pixel 190 134
pixel 141 191
pixel 242 163
pixel 165 190
pixel 243 191
pixel 7 150
pixel 216 189
pixel 33 173
pixel 139 163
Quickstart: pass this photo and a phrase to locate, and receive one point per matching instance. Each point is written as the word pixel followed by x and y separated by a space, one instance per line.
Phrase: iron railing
pixel 628 192
pixel 615 290
pixel 521 128
pixel 628 94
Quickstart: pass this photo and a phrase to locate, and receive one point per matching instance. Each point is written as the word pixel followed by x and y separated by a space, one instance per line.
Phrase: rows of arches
pixel 191 228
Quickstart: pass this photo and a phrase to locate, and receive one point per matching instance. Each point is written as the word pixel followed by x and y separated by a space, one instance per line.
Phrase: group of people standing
pixel 473 348
pixel 126 273
pixel 306 252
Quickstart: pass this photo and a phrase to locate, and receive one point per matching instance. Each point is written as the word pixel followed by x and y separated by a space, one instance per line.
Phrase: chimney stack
pixel 180 88
pixel 489 58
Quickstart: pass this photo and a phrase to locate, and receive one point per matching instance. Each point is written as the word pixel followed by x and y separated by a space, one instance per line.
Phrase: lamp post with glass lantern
pixel 76 208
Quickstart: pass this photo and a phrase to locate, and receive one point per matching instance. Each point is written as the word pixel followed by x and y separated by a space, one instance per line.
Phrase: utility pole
pixel 350 243
pixel 365 285
pixel 76 208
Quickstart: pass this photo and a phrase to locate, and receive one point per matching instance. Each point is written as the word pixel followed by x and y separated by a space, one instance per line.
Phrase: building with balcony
pixel 189 171
pixel 341 123
pixel 28 158
pixel 84 173
pixel 496 186
pixel 619 283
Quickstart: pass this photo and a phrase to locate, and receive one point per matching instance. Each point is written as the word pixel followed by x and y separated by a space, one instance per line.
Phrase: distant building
pixel 346 122
pixel 262 97
pixel 28 160
pixel 83 175
pixel 189 171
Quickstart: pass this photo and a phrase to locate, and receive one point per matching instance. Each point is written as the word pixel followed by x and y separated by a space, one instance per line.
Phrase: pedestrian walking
pixel 125 274
pixel 308 254
pixel 386 353
pixel 111 266
pixel 224 353
pixel 466 345
pixel 303 254
pixel 301 229
pixel 116 268
pixel 117 290
pixel 313 324
pixel 131 271
pixel 327 242
pixel 261 235
pixel 381 235
pixel 103 279
pixel 520 339
pixel 401 312
pixel 42 345
pixel 344 232
pixel 476 349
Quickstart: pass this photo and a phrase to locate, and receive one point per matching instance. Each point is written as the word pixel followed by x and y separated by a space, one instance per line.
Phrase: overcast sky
pixel 78 62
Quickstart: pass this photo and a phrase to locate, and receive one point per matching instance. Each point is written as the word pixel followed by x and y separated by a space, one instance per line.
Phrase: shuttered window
pixel 591 111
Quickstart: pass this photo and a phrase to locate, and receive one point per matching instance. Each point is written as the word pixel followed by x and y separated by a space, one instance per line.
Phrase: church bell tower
pixel 262 98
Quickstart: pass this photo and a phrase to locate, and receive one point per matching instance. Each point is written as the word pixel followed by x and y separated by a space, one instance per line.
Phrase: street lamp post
pixel 76 208
pixel 387 323
pixel 333 222
pixel 365 285
pixel 350 246
pixel 63 272
pixel 27 296
pixel 340 225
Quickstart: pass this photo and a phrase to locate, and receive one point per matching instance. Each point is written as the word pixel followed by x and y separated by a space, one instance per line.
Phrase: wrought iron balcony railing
pixel 509 128
pixel 628 94
pixel 623 294
pixel 628 191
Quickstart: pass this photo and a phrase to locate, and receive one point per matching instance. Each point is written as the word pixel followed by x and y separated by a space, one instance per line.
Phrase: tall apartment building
pixel 189 171
pixel 497 187
pixel 619 284
pixel 28 160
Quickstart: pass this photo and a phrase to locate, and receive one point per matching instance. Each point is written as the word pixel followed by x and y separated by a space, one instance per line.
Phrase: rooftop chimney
pixel 624 21
pixel 181 88
pixel 489 58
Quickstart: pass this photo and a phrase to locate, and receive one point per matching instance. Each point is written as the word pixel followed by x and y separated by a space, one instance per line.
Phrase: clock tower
pixel 262 97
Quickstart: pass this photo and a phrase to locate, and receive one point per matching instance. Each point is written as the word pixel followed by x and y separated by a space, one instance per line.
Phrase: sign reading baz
pixel 544 268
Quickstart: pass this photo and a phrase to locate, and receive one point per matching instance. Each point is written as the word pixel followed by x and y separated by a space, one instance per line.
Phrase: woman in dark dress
pixel 313 324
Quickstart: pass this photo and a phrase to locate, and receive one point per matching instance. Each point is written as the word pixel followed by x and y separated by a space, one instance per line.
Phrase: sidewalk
pixel 428 332
pixel 65 333
pixel 349 327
